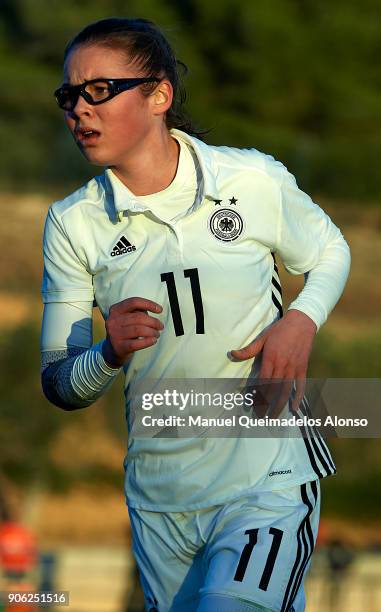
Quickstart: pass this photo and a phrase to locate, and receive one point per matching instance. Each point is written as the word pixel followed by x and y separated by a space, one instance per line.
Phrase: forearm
pixel 74 373
pixel 78 378
pixel 324 283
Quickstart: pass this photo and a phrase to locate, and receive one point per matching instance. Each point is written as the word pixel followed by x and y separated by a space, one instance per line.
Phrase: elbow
pixel 346 256
pixel 345 247
pixel 338 254
pixel 49 389
pixel 53 397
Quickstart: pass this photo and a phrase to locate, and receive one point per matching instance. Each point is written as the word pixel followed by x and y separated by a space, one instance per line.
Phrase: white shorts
pixel 251 554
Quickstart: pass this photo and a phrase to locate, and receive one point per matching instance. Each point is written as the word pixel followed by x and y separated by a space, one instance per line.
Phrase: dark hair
pixel 144 43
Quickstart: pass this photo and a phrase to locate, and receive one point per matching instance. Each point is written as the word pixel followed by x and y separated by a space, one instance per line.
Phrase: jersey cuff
pixel 90 375
pixel 107 369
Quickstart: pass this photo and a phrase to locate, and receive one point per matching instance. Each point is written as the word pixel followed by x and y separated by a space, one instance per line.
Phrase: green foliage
pixel 358 358
pixel 354 492
pixel 295 78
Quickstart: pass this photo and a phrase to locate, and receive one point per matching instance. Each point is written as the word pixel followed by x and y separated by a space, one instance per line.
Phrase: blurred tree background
pixel 298 79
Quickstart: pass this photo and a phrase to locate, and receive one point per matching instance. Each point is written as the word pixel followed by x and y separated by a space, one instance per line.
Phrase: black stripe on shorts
pixel 304 549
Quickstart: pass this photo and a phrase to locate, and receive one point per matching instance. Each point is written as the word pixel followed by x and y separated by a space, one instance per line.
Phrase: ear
pixel 162 97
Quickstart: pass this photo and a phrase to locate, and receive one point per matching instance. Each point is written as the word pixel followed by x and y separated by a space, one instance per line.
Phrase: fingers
pixel 276 380
pixel 138 331
pixel 135 319
pixel 273 391
pixel 126 347
pixel 282 393
pixel 285 348
pixel 272 397
pixel 130 328
pixel 249 351
pixel 278 377
pixel 276 391
pixel 133 304
pixel 267 367
pixel 300 384
pixel 119 329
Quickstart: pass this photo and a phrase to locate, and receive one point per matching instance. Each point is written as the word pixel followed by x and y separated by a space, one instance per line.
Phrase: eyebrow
pixel 68 84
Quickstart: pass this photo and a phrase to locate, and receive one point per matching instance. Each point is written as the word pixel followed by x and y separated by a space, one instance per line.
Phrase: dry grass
pixel 97 447
pixel 86 515
pixel 13 310
pixel 21 226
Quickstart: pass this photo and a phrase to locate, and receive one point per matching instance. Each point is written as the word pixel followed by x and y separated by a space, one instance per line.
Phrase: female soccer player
pixel 176 243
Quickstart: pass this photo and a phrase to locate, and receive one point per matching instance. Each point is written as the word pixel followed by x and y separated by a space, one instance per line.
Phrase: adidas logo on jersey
pixel 122 246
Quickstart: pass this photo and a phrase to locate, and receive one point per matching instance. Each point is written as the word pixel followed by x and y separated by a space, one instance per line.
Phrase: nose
pixel 81 108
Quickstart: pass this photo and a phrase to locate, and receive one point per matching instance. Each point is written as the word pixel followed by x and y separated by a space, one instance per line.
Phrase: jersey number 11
pixel 169 278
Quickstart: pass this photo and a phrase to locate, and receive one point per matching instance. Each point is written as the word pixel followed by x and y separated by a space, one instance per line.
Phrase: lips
pixel 86 135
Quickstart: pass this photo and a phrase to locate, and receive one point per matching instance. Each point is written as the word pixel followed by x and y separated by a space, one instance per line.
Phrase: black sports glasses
pixel 96 91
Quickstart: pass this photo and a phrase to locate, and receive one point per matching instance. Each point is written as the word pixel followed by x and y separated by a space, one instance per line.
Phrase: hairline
pixel 131 63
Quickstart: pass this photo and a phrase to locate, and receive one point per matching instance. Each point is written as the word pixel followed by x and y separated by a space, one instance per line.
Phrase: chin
pixel 94 158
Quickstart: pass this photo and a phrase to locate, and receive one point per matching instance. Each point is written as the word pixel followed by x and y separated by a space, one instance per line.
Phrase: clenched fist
pixel 130 328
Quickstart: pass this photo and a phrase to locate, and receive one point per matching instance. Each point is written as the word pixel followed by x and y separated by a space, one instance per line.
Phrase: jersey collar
pixel 124 199
pixel 206 161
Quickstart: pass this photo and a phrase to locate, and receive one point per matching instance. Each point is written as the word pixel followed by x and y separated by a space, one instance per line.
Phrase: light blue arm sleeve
pixel 74 373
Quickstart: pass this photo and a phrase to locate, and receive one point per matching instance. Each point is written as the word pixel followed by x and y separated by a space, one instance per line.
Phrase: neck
pixel 153 169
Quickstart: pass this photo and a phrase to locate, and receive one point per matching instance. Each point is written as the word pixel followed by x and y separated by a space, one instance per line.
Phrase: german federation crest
pixel 226 224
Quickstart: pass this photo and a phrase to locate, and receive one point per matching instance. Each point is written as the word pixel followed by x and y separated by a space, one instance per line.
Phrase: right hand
pixel 130 328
